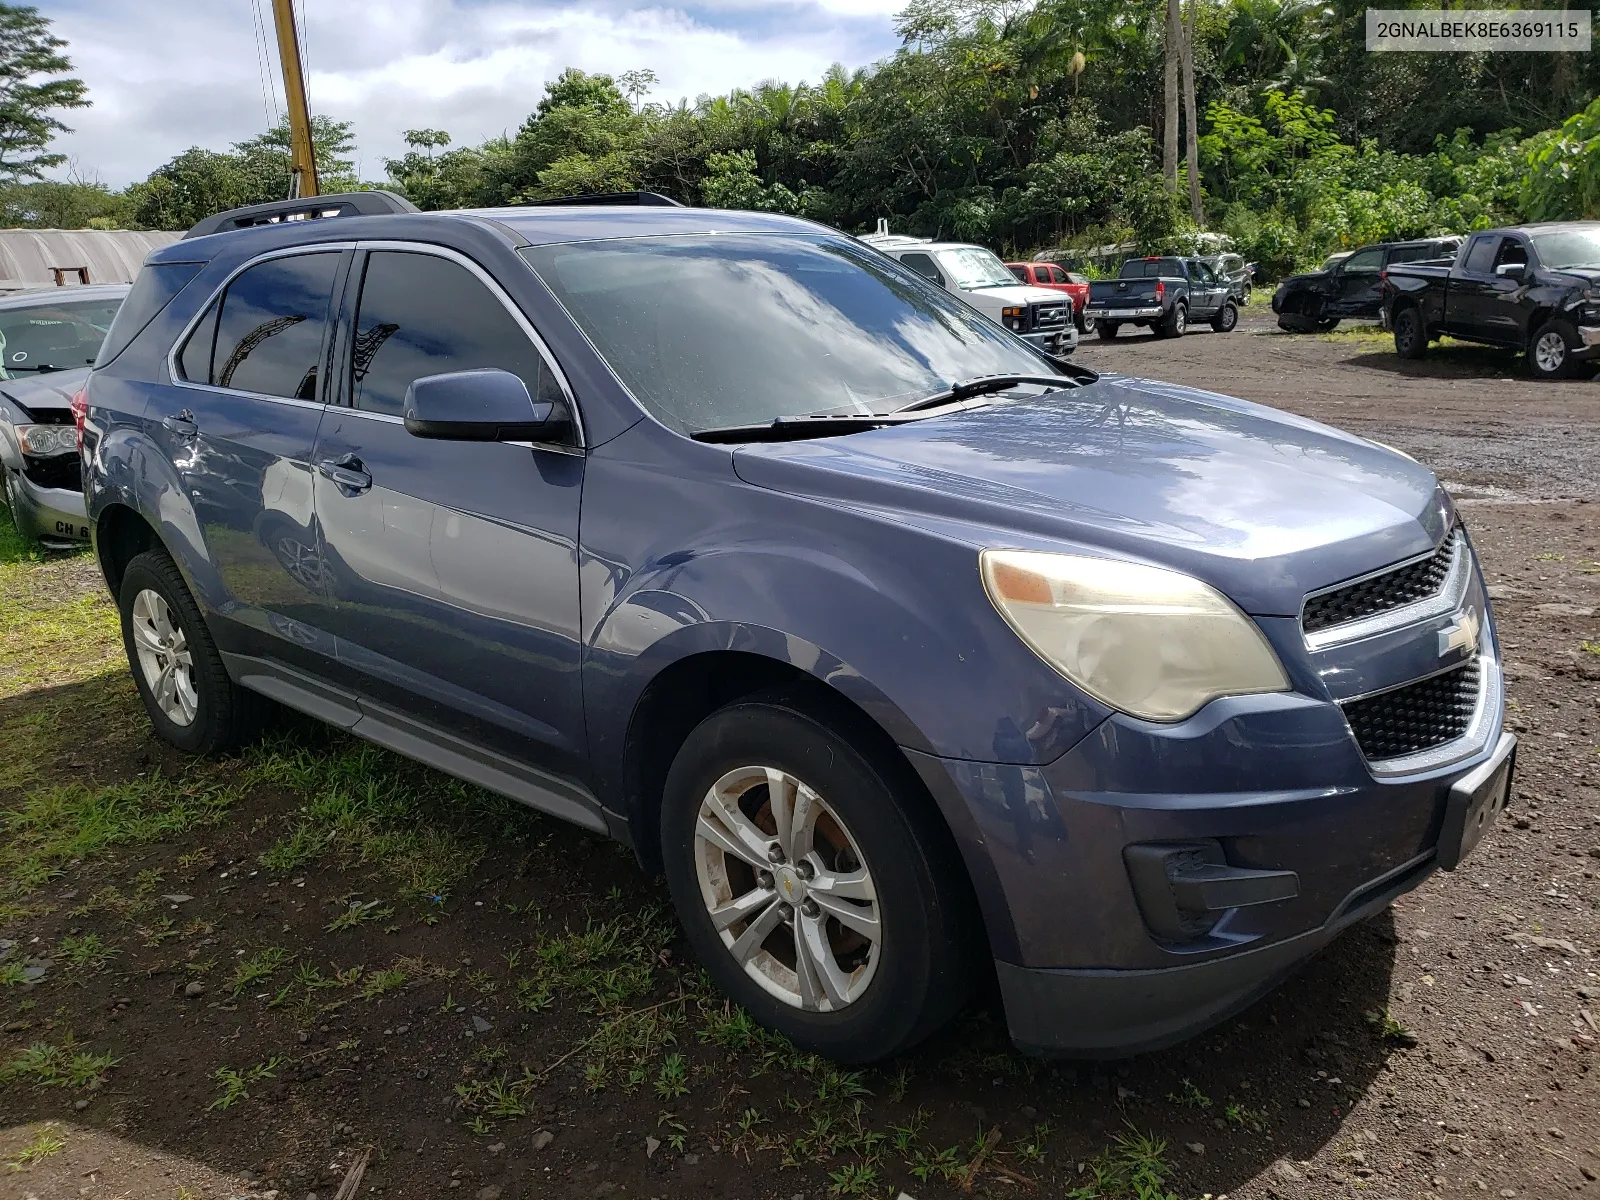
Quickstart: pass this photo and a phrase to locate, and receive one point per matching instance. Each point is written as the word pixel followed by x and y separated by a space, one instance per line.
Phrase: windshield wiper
pixel 984 385
pixel 788 429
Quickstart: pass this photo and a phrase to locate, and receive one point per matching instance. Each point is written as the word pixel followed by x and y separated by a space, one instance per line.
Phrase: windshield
pixel 1568 248
pixel 55 336
pixel 724 330
pixel 973 267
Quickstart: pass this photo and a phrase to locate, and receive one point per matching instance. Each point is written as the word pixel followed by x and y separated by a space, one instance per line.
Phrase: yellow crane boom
pixel 302 155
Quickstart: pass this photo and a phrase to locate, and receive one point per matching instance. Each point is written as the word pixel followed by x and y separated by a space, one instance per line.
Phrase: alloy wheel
pixel 1550 352
pixel 787 888
pixel 164 657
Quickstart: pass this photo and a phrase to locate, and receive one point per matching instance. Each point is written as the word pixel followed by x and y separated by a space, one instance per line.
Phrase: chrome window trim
pixel 500 294
pixel 175 376
pixel 1446 600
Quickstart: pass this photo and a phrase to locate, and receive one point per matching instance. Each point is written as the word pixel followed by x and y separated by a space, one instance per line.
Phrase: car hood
pixel 1022 293
pixel 37 393
pixel 1263 505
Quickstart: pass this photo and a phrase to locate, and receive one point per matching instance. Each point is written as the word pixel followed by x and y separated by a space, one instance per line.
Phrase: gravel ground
pixel 316 964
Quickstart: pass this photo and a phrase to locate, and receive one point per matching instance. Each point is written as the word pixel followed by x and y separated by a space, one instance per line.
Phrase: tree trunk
pixel 1169 141
pixel 1191 127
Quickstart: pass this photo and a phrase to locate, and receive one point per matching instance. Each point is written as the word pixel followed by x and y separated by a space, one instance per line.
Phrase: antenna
pixel 303 171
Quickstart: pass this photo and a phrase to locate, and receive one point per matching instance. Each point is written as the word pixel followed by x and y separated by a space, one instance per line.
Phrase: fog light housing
pixel 1185 888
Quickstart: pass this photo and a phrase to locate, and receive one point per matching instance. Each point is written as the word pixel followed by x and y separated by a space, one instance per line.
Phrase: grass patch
pixel 44 1143
pixel 418 830
pixel 234 1085
pixel 55 826
pixel 1133 1167
pixel 45 1065
pixel 256 967
pixel 86 950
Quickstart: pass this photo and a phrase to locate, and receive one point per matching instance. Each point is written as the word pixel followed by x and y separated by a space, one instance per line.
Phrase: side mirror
pixel 1517 271
pixel 487 405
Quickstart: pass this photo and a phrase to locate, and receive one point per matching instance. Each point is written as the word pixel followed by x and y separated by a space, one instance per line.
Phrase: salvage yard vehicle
pixel 48 338
pixel 1531 288
pixel 1162 295
pixel 1234 268
pixel 1057 279
pixel 1038 315
pixel 1350 288
pixel 906 652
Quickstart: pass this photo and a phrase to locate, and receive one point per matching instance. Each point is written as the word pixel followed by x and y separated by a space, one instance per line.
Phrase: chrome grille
pixel 1416 716
pixel 1410 583
pixel 1049 316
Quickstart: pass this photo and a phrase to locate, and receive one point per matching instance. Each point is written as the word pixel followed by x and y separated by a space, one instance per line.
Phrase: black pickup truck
pixel 1533 288
pixel 1350 288
pixel 1162 294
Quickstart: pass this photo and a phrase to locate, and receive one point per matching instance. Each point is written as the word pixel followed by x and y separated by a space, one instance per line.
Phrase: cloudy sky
pixel 165 75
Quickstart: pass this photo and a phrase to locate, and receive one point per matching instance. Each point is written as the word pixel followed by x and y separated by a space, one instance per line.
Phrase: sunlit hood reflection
pixel 1263 504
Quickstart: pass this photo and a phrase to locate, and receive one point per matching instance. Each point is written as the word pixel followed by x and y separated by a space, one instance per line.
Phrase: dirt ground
pixel 318 970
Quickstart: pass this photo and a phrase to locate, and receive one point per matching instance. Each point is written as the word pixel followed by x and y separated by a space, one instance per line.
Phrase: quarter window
pixel 424 315
pixel 269 332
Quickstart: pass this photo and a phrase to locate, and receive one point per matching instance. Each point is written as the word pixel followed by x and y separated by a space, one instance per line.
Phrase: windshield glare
pixel 58 336
pixel 713 331
pixel 1568 248
pixel 973 267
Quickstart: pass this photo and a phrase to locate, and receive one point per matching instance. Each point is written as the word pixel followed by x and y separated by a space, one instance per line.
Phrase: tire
pixel 1226 319
pixel 1175 323
pixel 1410 337
pixel 1107 330
pixel 199 710
pixel 1086 325
pixel 1327 324
pixel 1550 350
pixel 1245 298
pixel 874 997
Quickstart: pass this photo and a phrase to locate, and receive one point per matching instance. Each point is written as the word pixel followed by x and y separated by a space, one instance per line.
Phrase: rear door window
pixel 1480 258
pixel 269 333
pixel 421 314
pixel 1364 262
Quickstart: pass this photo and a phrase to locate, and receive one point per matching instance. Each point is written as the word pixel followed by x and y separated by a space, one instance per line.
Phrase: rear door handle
pixel 348 472
pixel 182 424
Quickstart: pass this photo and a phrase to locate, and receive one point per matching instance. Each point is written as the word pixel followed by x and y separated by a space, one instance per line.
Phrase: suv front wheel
pixel 819 895
pixel 176 666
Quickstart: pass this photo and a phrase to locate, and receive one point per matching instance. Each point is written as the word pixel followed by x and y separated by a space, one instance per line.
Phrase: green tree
pixel 1563 170
pixel 33 87
pixel 52 204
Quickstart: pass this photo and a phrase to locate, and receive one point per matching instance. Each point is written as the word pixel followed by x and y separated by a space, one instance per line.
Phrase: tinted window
pixel 1481 256
pixel 269 336
pixel 1057 275
pixel 53 335
pixel 1511 253
pixel 1152 268
pixel 1405 254
pixel 722 330
pixel 922 264
pixel 151 292
pixel 195 359
pixel 1364 262
pixel 1021 273
pixel 424 315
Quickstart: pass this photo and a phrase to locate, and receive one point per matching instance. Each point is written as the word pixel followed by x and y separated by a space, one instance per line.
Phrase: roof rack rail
pixel 307 208
pixel 642 199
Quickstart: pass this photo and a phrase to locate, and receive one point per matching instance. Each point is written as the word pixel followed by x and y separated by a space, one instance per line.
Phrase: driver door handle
pixel 348 472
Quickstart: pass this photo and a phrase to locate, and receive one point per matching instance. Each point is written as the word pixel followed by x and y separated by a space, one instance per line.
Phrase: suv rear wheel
pixel 185 688
pixel 819 896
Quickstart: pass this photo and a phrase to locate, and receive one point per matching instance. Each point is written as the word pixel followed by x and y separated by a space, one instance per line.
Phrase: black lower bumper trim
pixel 1112 1014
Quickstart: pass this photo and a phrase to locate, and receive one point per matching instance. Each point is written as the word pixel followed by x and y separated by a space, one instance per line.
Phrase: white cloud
pixel 164 77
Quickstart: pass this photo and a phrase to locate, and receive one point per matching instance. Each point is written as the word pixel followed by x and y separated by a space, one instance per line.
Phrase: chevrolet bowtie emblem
pixel 1462 634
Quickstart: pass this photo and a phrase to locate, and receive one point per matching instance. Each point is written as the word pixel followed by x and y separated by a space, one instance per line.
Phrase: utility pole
pixel 303 169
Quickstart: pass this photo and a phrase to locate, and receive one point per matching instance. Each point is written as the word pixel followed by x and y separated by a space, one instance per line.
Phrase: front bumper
pixel 1058 342
pixel 1123 314
pixel 55 516
pixel 1270 784
pixel 1589 337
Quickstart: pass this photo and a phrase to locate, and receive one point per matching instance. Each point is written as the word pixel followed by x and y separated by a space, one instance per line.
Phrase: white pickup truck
pixel 1038 315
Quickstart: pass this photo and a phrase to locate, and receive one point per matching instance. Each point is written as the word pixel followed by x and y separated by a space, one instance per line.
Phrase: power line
pixel 264 62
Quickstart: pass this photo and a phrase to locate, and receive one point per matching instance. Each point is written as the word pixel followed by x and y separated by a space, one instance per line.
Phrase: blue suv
pixel 898 646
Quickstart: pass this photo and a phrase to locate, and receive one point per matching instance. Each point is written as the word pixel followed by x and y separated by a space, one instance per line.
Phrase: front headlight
pixel 1014 318
pixel 44 440
pixel 1154 643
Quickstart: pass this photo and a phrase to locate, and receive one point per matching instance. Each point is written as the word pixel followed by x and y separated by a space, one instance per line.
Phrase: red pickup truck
pixel 1048 275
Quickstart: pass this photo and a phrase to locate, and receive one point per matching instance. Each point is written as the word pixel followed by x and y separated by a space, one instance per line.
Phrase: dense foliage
pixel 1022 124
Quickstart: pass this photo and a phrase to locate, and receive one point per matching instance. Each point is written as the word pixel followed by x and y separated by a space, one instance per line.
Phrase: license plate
pixel 1476 800
pixel 1123 312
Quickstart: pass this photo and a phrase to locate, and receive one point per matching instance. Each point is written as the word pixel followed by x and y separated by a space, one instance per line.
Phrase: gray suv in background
pixel 48 339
